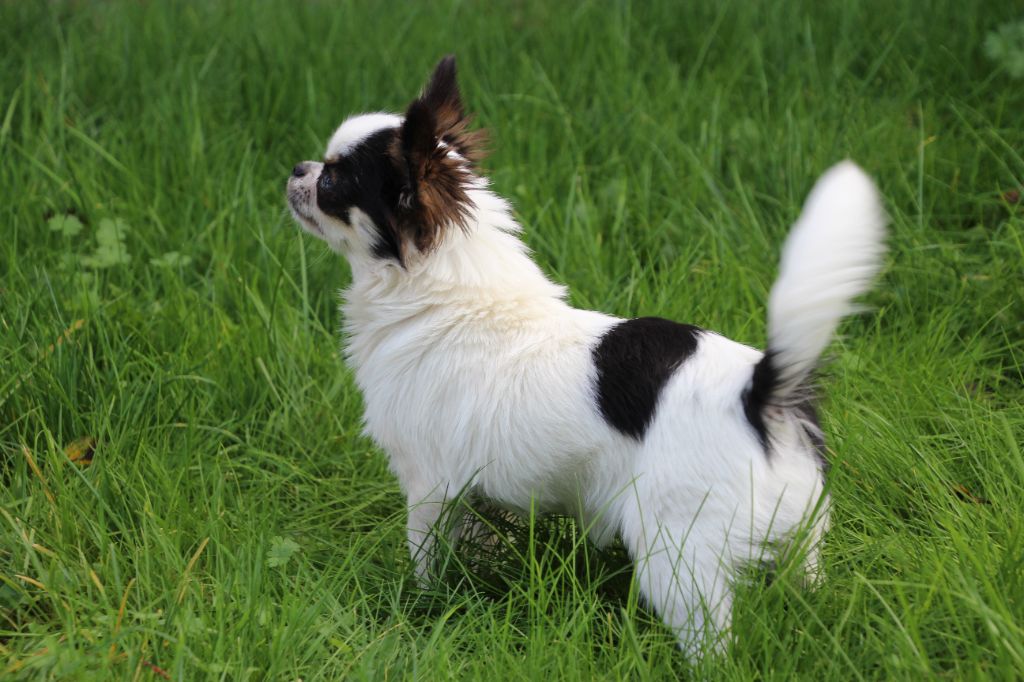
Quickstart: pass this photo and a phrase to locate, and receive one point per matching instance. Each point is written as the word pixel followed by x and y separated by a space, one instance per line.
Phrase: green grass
pixel 234 524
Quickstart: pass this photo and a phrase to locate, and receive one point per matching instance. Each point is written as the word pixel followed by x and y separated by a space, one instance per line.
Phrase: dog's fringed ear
pixel 442 98
pixel 435 126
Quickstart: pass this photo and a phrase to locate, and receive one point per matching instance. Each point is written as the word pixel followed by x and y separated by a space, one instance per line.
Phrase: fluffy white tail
pixel 830 257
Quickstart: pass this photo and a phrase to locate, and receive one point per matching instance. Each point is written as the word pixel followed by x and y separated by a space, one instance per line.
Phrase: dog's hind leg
pixel 812 576
pixel 682 573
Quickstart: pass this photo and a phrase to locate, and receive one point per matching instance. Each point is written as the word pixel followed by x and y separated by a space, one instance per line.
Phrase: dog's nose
pixel 300 169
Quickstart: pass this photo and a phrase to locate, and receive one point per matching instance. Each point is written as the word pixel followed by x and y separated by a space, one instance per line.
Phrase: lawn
pixel 186 491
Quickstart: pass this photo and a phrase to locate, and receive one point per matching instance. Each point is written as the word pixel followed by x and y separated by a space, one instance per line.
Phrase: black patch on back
pixel 634 360
pixel 365 178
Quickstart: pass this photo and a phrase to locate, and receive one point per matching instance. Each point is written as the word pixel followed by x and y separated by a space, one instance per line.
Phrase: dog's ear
pixel 443 99
pixel 434 195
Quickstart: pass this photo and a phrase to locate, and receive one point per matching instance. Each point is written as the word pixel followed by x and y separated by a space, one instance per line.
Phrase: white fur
pixel 356 129
pixel 478 377
pixel 830 257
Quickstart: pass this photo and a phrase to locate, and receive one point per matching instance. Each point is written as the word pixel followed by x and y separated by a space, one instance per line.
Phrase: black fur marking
pixel 634 360
pixel 809 415
pixel 757 398
pixel 365 178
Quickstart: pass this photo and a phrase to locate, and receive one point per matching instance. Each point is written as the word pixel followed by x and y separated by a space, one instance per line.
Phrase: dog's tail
pixel 830 257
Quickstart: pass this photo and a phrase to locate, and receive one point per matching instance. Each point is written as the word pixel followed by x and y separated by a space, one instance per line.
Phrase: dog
pixel 700 453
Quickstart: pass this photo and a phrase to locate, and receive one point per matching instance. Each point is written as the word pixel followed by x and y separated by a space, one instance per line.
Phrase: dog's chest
pixel 513 401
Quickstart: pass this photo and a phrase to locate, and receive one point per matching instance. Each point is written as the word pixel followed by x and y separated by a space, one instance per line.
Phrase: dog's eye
pixel 326 180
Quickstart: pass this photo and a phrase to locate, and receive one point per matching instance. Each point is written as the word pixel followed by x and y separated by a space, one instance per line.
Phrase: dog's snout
pixel 300 169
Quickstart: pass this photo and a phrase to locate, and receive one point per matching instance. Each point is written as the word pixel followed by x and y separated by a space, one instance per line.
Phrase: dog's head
pixel 390 186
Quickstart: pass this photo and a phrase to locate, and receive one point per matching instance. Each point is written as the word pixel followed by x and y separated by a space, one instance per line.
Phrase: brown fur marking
pixel 435 196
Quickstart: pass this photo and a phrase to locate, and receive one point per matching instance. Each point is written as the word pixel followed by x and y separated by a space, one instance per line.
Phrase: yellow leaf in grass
pixel 80 450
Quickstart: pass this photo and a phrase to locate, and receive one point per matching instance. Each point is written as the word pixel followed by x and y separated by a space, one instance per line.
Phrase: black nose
pixel 300 169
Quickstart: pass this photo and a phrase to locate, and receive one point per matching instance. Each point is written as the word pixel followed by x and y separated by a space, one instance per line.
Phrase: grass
pixel 232 522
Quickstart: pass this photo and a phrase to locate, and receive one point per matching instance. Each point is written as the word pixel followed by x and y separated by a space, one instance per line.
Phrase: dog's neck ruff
pixel 483 272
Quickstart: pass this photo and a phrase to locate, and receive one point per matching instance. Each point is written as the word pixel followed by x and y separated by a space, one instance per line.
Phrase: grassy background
pixel 234 524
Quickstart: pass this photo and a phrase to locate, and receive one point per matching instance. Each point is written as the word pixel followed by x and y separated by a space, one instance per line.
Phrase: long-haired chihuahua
pixel 701 453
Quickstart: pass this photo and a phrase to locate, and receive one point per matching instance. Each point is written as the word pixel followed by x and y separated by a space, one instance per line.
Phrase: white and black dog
pixel 701 453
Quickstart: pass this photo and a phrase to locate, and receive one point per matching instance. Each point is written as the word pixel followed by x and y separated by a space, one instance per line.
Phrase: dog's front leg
pixel 429 520
pixel 422 537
